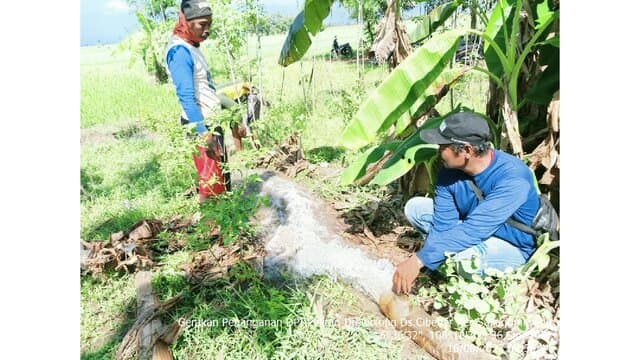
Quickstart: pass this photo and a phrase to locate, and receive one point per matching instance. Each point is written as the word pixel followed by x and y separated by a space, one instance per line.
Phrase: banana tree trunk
pixel 392 39
pixel 416 181
pixel 510 135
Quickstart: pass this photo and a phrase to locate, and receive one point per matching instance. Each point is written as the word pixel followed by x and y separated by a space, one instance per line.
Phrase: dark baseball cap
pixel 195 8
pixel 459 128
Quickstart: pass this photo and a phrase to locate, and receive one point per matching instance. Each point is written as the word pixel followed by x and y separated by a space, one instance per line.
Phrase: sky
pixel 110 21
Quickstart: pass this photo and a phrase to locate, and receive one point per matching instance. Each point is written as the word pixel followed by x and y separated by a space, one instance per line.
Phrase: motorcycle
pixel 470 51
pixel 343 50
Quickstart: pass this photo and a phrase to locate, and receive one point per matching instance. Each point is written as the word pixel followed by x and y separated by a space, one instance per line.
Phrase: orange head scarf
pixel 183 31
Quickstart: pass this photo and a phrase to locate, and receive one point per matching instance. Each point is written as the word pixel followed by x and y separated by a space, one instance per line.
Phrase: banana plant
pixel 410 152
pixel 401 156
pixel 427 100
pixel 433 20
pixel 505 56
pixel 358 168
pixel 308 21
pixel 401 90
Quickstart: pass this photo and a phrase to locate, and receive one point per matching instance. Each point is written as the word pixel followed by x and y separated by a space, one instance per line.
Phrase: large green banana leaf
pixel 401 89
pixel 543 13
pixel 433 20
pixel 359 167
pixel 427 100
pixel 496 30
pixel 549 82
pixel 410 152
pixel 308 21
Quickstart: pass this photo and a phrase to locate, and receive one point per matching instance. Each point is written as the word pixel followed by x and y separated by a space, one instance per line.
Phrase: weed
pixel 231 211
pixel 481 308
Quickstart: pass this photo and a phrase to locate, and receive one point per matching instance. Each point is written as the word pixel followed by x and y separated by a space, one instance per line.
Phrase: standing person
pixel 190 74
pixel 456 221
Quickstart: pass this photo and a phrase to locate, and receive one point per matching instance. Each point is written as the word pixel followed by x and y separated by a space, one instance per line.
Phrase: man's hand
pixel 406 274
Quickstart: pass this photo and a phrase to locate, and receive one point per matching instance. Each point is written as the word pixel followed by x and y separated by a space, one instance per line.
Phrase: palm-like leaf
pixel 427 100
pixel 359 167
pixel 495 31
pixel 410 152
pixel 433 20
pixel 400 91
pixel 308 21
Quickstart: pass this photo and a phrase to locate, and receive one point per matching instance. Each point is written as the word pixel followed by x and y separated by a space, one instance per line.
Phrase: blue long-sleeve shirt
pixel 180 65
pixel 460 220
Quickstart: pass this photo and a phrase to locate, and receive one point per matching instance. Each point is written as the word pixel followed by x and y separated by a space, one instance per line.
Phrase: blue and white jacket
pixel 189 72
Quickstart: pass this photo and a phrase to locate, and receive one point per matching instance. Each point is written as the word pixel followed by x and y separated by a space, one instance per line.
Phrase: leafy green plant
pixel 231 211
pixel 148 46
pixel 285 119
pixel 229 30
pixel 307 22
pixel 433 20
pixel 507 49
pixel 482 308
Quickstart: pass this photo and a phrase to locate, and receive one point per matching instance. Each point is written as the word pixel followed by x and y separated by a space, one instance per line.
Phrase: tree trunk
pixel 391 39
pixel 510 135
pixel 415 182
pixel 146 338
pixel 474 16
pixel 423 329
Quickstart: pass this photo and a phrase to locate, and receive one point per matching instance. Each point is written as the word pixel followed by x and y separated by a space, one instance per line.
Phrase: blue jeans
pixel 492 253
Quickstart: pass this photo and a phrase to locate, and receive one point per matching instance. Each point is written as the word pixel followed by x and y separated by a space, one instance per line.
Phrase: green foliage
pixel 324 154
pixel 549 81
pixel 348 102
pixel 149 46
pixel 505 57
pixel 433 20
pixel 231 211
pixel 285 118
pixel 401 90
pixel 229 26
pixel 358 167
pixel 541 257
pixel 274 24
pixel 155 10
pixel 484 308
pixel 410 152
pixel 480 306
pixel 428 99
pixel 307 22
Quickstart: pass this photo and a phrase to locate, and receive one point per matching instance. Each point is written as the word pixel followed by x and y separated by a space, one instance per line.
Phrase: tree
pixel 155 10
pixel 522 42
pixel 372 11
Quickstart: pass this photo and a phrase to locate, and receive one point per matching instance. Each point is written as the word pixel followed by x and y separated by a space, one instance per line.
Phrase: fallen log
pixel 148 337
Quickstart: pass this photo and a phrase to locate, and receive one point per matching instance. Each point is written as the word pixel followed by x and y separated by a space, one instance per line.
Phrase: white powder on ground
pixel 303 241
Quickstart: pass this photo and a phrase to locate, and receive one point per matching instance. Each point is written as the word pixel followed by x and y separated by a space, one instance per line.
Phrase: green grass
pixel 107 310
pixel 292 328
pixel 111 92
pixel 129 180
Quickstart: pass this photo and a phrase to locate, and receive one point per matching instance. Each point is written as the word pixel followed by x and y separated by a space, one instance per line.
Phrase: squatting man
pixel 456 221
